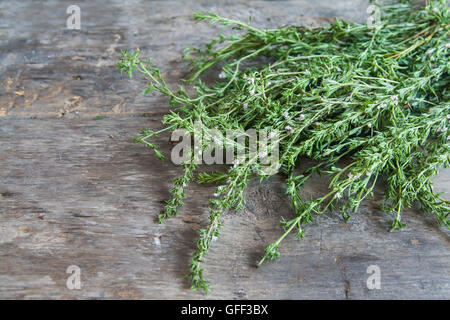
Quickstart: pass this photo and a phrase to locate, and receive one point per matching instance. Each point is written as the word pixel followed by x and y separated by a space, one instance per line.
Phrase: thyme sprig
pixel 378 97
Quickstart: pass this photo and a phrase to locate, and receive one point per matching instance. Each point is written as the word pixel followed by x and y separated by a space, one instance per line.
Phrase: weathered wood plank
pixel 71 73
pixel 71 195
pixel 75 191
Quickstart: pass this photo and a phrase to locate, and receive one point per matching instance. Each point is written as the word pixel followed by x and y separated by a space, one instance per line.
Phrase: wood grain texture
pixel 77 191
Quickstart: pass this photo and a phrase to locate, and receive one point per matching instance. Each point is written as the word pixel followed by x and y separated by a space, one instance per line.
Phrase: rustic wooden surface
pixel 77 191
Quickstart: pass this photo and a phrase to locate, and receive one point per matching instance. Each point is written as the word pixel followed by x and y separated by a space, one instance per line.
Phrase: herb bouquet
pixel 377 95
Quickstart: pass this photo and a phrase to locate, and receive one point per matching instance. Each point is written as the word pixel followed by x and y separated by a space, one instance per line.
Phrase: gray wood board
pixel 77 191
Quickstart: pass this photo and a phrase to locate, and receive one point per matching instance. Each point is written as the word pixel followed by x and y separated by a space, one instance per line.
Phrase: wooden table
pixel 77 191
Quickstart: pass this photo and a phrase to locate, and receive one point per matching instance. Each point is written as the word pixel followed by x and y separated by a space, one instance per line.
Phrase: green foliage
pixel 377 96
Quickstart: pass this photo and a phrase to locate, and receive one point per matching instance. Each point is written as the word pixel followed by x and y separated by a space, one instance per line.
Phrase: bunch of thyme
pixel 378 96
